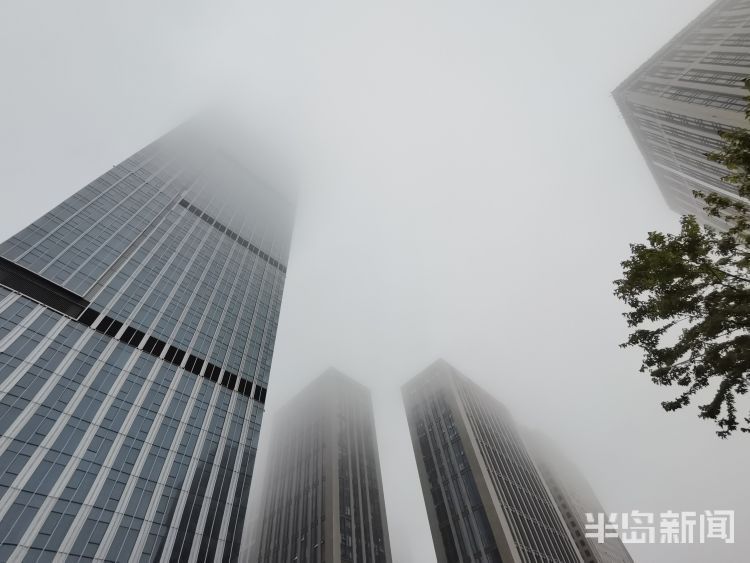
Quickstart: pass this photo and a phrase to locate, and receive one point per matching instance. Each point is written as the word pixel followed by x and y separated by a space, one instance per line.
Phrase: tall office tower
pixel 137 325
pixel 678 100
pixel 486 501
pixel 323 493
pixel 575 498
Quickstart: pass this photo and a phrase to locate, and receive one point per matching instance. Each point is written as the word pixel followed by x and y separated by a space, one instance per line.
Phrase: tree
pixel 689 298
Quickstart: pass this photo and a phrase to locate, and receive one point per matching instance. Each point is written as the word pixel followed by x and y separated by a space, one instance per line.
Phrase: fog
pixel 467 189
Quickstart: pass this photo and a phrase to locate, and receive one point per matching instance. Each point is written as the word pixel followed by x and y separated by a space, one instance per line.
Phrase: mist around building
pixel 375 324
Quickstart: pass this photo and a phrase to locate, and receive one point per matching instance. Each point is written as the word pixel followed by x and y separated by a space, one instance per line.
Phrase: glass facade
pixel 486 501
pixel 137 326
pixel 323 497
pixel 679 100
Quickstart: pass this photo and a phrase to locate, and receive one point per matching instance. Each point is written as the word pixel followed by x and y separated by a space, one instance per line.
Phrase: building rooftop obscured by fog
pixel 322 494
pixel 485 498
pixel 575 498
pixel 679 99
pixel 138 320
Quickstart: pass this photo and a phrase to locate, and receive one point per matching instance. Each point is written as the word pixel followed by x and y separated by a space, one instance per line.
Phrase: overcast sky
pixel 468 189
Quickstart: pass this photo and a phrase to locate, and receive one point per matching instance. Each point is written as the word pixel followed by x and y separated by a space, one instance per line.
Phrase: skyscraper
pixel 486 501
pixel 137 326
pixel 678 100
pixel 323 494
pixel 575 498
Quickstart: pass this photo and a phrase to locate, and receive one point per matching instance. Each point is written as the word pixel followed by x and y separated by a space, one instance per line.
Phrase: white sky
pixel 468 191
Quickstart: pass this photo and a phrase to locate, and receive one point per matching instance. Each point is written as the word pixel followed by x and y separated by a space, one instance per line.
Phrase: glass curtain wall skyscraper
pixel 678 100
pixel 486 501
pixel 323 492
pixel 137 327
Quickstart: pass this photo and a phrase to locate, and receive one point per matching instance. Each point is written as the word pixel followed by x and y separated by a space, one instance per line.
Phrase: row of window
pixel 699 76
pixel 735 102
pixel 173 355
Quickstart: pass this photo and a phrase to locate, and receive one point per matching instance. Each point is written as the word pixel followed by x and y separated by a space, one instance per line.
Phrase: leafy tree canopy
pixel 688 296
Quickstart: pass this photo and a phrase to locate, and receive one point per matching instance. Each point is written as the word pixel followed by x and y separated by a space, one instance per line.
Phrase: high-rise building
pixel 486 500
pixel 575 498
pixel 137 326
pixel 323 493
pixel 679 99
